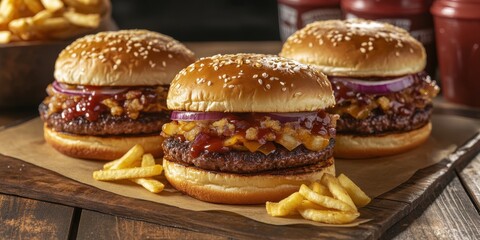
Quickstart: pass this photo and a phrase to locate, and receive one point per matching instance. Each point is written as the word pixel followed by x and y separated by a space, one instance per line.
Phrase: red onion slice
pixel 83 91
pixel 291 117
pixel 196 116
pixel 376 87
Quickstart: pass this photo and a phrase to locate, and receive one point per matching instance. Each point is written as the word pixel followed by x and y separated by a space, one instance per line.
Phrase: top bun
pixel 122 58
pixel 357 48
pixel 249 83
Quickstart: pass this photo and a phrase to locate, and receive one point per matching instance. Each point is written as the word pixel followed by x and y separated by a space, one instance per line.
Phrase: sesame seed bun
pixel 357 48
pixel 98 147
pixel 249 83
pixel 122 58
pixel 353 146
pixel 230 188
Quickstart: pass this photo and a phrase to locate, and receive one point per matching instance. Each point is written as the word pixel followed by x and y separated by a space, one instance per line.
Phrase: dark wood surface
pixel 124 218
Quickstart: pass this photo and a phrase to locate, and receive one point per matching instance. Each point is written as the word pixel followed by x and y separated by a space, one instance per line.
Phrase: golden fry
pixel 311 205
pixel 358 196
pixel 151 185
pixel 328 216
pixel 324 201
pixel 127 173
pixel 35 6
pixel 53 5
pixel 286 206
pixel 148 160
pixel 127 160
pixel 53 24
pixel 338 192
pixel 5 37
pixel 320 189
pixel 42 16
pixel 83 20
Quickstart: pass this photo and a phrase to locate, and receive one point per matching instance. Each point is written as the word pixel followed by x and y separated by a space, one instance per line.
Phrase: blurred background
pixel 193 20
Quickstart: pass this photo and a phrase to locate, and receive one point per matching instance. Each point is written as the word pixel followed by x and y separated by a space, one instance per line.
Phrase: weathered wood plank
pixel 451 216
pixel 22 218
pixel 95 225
pixel 470 177
pixel 49 186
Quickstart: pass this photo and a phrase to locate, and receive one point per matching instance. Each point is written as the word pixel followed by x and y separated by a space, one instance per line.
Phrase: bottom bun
pixel 350 146
pixel 231 188
pixel 100 148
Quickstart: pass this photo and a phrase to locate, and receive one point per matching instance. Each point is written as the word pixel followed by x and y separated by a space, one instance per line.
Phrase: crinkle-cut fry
pixel 133 155
pixel 328 216
pixel 324 201
pixel 338 192
pixel 127 173
pixel 286 206
pixel 358 196
pixel 151 185
pixel 148 160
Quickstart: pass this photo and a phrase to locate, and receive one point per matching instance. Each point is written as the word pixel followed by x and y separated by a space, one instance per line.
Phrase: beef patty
pixel 176 150
pixel 106 124
pixel 380 123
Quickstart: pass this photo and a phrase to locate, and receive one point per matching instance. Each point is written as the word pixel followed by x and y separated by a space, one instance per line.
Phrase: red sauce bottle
pixel 296 14
pixel 411 15
pixel 457 29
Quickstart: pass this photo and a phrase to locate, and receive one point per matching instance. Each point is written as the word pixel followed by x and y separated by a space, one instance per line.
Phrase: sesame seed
pixel 231 86
pixel 284 89
pixel 265 75
pixel 170 55
pixel 267 86
pixel 397 54
pixel 209 83
pixel 260 81
pixel 370 48
pixel 255 76
pixel 164 64
pixel 310 45
pixel 363 50
pixel 297 94
pixel 364 44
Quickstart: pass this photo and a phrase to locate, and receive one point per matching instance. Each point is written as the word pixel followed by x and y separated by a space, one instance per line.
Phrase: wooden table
pixel 450 211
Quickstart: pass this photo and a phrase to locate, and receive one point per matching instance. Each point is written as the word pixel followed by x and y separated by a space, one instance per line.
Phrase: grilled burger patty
pixel 106 124
pixel 379 123
pixel 177 150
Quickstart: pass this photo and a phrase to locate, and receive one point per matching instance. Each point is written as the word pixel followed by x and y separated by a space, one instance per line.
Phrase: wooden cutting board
pixel 23 179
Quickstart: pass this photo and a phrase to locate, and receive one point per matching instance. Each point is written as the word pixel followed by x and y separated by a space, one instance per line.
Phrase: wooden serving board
pixel 26 180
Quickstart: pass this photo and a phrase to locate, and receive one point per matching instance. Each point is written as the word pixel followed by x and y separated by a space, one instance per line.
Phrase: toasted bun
pixel 350 146
pixel 122 58
pixel 233 188
pixel 249 83
pixel 100 148
pixel 356 47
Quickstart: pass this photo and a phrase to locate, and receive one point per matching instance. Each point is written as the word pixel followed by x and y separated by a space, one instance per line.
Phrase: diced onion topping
pixel 376 87
pixel 83 91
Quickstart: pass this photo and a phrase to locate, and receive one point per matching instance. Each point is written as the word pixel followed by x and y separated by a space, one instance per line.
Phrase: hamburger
pixel 383 96
pixel 248 128
pixel 110 93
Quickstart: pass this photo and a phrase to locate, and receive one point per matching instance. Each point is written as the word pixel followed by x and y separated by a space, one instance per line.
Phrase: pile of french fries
pixel 47 19
pixel 135 166
pixel 332 200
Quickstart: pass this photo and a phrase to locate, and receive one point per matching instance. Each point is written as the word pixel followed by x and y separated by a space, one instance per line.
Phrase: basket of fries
pixel 32 34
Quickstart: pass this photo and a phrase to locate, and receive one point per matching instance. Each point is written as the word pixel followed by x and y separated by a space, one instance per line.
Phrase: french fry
pixel 358 196
pixel 286 206
pixel 82 20
pixel 324 201
pixel 328 216
pixel 151 185
pixel 5 37
pixel 148 160
pixel 53 24
pixel 306 204
pixel 42 16
pixel 7 11
pixel 53 5
pixel 35 6
pixel 127 160
pixel 338 192
pixel 127 173
pixel 320 189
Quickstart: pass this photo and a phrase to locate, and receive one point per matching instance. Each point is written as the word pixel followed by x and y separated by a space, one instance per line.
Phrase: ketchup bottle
pixel 411 15
pixel 457 29
pixel 296 14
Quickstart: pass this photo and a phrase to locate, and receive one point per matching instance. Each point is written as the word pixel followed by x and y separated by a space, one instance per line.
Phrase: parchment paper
pixel 375 176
